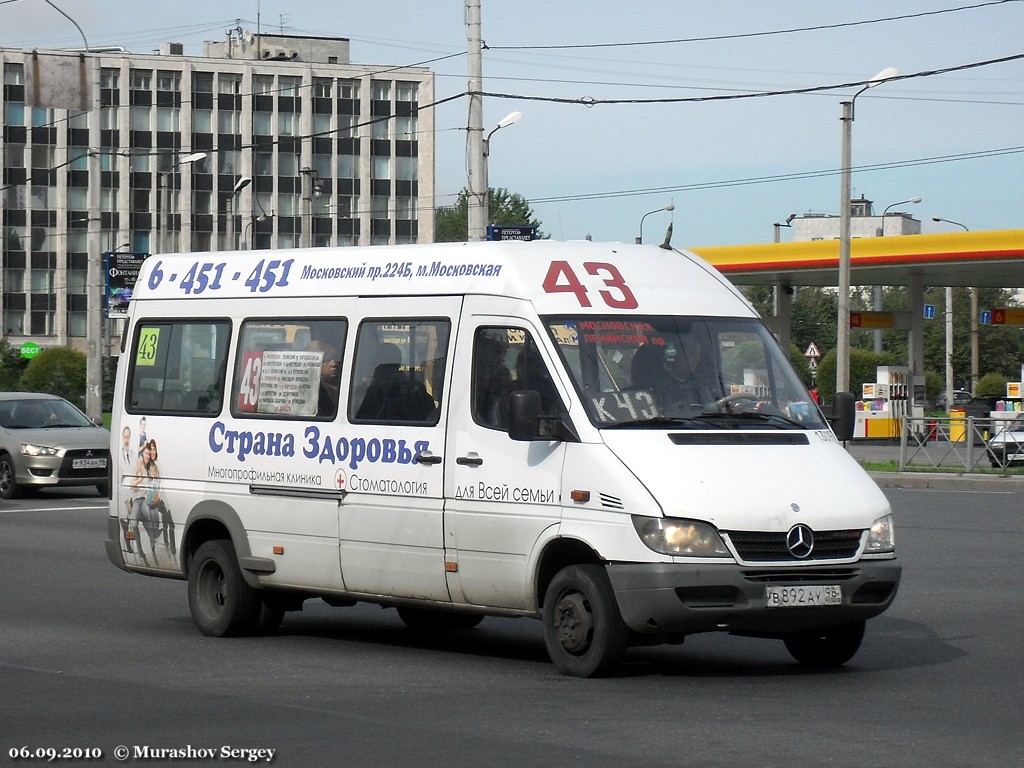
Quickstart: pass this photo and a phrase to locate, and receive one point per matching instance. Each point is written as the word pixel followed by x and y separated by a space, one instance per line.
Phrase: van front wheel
pixel 823 648
pixel 221 602
pixel 583 629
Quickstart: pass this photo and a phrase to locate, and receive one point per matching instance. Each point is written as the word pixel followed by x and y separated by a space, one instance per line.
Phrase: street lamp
pixel 843 330
pixel 975 354
pixel 484 202
pixel 241 184
pixel 640 237
pixel 165 195
pixel 778 227
pixel 915 200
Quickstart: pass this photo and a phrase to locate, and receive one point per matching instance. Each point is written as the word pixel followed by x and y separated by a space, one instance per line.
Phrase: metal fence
pixel 960 444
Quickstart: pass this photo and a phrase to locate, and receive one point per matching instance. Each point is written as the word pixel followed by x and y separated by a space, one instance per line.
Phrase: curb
pixel 945 481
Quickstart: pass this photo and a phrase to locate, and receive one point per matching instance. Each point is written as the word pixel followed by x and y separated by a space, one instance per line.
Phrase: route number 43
pixel 562 279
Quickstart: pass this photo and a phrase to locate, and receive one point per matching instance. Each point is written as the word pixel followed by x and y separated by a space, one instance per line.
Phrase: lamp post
pixel 165 197
pixel 949 329
pixel 843 330
pixel 478 228
pixel 778 227
pixel 241 184
pixel 878 289
pixel 640 237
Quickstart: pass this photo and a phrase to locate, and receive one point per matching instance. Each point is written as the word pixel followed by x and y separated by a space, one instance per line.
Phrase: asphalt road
pixel 94 658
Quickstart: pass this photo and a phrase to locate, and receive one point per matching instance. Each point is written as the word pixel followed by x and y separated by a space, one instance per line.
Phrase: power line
pixel 743 35
pixel 797 176
pixel 588 101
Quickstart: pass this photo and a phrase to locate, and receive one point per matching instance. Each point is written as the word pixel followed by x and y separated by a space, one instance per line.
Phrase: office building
pixel 265 141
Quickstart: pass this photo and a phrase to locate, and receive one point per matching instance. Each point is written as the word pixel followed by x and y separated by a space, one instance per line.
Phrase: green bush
pixel 59 371
pixel 11 366
pixel 991 385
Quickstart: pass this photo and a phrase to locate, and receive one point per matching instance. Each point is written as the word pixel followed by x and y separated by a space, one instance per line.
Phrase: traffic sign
pixel 986 317
pixel 495 232
pixel 812 351
pixel 1008 316
pixel 929 311
pixel 29 349
pixel 880 320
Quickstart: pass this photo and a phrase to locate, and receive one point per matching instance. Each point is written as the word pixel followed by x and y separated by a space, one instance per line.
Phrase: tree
pixel 11 366
pixel 451 223
pixel 59 371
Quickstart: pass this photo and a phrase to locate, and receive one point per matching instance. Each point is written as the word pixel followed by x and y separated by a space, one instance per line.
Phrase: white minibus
pixel 605 437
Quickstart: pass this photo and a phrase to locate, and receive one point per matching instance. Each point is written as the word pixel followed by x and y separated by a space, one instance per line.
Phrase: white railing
pixel 956 444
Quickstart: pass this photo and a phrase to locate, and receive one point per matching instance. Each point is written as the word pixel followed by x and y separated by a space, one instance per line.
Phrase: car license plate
pixel 803 596
pixel 88 463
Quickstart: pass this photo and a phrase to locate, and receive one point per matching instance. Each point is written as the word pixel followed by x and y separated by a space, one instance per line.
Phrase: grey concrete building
pixel 265 141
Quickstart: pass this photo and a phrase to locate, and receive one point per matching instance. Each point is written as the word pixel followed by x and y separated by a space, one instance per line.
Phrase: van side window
pixel 178 366
pixel 398 372
pixel 288 368
pixel 504 360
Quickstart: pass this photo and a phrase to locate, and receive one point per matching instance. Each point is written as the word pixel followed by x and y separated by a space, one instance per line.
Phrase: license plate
pixel 803 596
pixel 88 463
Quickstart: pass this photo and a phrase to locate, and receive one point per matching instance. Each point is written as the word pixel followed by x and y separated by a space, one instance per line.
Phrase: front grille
pixel 762 547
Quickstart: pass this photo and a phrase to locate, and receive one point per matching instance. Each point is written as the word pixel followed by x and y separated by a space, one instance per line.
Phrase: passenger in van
pixel 391 394
pixel 532 373
pixel 647 367
pixel 492 380
pixel 330 377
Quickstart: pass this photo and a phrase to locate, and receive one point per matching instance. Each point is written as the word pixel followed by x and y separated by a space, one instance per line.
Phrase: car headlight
pixel 39 450
pixel 881 536
pixel 673 536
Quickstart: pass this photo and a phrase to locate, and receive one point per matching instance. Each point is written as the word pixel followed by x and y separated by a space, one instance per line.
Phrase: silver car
pixel 1006 448
pixel 47 442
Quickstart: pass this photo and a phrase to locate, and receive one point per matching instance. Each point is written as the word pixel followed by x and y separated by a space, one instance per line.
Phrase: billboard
pixel 122 270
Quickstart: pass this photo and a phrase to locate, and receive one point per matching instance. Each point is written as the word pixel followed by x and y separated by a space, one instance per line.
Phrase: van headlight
pixel 673 536
pixel 881 537
pixel 38 450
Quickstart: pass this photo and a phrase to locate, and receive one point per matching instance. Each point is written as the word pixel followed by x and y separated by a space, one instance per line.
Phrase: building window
pixel 14 113
pixel 381 128
pixel 262 124
pixel 262 85
pixel 14 74
pixel 42 117
pixel 406 91
pixel 139 119
pixel 348 89
pixel 168 81
pixel 321 124
pixel 229 161
pixel 287 164
pixel 288 124
pixel 141 163
pixel 322 87
pixel 42 156
pixel 202 202
pixel 77 324
pixel 202 121
pixel 141 79
pixel 202 82
pixel 229 84
pixel 227 122
pixel 108 118
pixel 291 86
pixel 167 119
pixel 381 90
pixel 406 168
pixel 78 120
pixel 109 79
pixel 347 166
pixel 78 199
pixel 381 168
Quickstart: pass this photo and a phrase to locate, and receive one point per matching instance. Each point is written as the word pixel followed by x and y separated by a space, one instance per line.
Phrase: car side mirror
pixel 524 415
pixel 843 416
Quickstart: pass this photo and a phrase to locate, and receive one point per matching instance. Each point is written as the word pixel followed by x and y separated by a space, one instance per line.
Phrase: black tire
pixel 221 602
pixel 824 648
pixel 426 620
pixel 583 629
pixel 9 488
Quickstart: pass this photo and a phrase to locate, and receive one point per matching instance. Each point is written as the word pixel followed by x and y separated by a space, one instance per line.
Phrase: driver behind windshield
pixel 687 381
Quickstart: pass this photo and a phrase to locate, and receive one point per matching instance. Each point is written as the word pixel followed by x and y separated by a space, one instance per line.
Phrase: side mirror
pixel 843 416
pixel 524 415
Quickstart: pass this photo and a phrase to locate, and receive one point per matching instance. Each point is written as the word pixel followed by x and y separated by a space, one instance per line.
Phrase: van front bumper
pixel 673 598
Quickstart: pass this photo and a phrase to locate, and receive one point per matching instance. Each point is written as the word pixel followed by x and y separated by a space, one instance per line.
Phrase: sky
pixel 702 124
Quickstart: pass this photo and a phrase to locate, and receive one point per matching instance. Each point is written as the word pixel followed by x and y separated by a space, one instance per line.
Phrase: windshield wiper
pixel 772 418
pixel 660 421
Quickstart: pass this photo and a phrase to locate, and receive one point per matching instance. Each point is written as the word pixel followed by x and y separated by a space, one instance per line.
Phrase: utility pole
pixel 475 128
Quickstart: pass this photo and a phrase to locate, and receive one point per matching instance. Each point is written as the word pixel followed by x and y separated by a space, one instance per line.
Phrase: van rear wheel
pixel 824 648
pixel 583 629
pixel 221 602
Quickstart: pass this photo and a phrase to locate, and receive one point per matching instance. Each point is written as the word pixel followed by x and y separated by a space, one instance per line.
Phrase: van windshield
pixel 682 372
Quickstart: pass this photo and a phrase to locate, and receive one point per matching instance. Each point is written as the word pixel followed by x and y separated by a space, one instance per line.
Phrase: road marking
pixel 51 509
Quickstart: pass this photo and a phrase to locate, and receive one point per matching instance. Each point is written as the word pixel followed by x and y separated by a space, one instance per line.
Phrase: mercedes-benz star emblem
pixel 800 541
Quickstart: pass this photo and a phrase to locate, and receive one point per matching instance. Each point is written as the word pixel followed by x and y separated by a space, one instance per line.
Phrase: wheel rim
pixel 211 584
pixel 574 623
pixel 6 476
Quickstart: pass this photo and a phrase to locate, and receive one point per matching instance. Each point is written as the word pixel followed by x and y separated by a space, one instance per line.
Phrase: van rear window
pixel 178 366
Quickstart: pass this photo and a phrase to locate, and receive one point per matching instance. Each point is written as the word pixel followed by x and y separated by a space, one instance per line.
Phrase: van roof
pixel 558 277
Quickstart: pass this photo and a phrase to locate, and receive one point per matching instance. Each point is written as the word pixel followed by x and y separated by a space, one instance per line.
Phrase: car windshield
pixel 36 413
pixel 682 372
